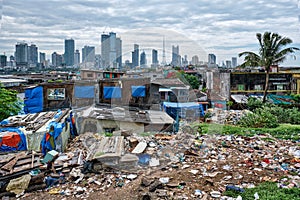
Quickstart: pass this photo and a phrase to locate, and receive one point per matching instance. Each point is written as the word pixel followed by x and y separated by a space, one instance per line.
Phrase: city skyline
pixel 222 28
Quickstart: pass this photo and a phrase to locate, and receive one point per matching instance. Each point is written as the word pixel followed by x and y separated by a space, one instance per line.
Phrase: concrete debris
pixel 156 166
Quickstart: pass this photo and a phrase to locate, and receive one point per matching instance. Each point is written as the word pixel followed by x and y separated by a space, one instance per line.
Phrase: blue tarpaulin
pixel 12 139
pixel 33 100
pixel 48 142
pixel 84 92
pixel 179 109
pixel 112 92
pixel 138 91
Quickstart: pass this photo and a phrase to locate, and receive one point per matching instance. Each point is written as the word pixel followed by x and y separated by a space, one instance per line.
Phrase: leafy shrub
pixel 260 118
pixel 254 103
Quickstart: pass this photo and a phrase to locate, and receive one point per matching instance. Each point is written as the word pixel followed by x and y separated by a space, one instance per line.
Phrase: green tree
pixel 271 52
pixel 9 103
pixel 192 80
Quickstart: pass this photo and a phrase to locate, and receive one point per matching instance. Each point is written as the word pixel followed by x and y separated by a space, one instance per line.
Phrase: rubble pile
pixel 162 166
pixel 227 116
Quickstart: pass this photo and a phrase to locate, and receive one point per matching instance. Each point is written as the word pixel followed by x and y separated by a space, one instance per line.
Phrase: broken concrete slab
pixel 109 150
pixel 140 148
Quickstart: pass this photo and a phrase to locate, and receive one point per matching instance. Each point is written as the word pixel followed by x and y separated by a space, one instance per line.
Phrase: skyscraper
pixel 176 58
pixel 21 54
pixel 228 64
pixel 56 59
pixel 111 49
pixel 88 54
pixel 195 60
pixel 143 61
pixel 42 57
pixel 119 52
pixel 211 59
pixel 77 58
pixel 154 57
pixel 32 55
pixel 69 52
pixel 135 55
pixel 3 60
pixel 234 62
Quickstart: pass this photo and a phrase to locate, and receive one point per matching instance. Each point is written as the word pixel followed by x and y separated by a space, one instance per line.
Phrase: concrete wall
pixel 99 126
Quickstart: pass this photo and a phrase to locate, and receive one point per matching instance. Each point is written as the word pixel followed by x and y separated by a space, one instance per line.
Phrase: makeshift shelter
pixel 190 110
pixel 42 131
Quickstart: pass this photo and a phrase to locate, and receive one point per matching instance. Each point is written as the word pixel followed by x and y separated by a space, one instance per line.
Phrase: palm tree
pixel 271 52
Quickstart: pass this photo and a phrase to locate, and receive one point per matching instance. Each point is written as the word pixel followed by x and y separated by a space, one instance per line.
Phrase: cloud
pixel 198 26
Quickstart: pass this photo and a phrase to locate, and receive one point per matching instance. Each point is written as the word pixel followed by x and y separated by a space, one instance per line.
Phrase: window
pixel 279 87
pixel 90 75
pixel 56 93
pixel 257 87
pixel 241 87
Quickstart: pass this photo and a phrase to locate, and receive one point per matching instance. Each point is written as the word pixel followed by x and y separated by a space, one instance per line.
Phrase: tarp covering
pixel 138 91
pixel 12 139
pixel 112 92
pixel 182 108
pixel 73 129
pixel 49 142
pixel 33 100
pixel 84 92
pixel 280 99
pixel 219 104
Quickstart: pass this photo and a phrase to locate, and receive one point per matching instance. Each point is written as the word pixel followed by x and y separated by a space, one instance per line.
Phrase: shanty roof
pixel 126 115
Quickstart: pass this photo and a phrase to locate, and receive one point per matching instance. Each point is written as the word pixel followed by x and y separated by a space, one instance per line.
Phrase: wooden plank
pixel 9 166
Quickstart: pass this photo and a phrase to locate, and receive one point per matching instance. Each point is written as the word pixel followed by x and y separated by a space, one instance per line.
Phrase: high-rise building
pixel 111 49
pixel 234 62
pixel 69 52
pixel 195 60
pixel 119 52
pixel 176 58
pixel 21 54
pixel 77 58
pixel 143 60
pixel 154 57
pixel 185 61
pixel 3 60
pixel 42 57
pixel 57 59
pixel 135 55
pixel 98 61
pixel 32 55
pixel 88 54
pixel 228 64
pixel 212 60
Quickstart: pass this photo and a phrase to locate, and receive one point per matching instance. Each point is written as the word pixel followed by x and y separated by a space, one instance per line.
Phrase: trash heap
pixel 162 166
pixel 227 116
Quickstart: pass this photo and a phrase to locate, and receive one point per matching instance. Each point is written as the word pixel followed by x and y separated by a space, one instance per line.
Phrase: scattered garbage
pixel 186 166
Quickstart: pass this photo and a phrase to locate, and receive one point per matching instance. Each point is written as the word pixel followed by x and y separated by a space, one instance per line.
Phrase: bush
pixel 260 118
pixel 254 103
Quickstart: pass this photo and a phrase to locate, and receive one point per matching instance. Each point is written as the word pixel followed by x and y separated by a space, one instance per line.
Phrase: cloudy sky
pixel 199 27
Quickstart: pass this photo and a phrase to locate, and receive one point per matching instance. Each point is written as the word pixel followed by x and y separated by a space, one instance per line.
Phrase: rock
pixel 146 182
pixel 161 193
pixel 155 185
pixel 146 196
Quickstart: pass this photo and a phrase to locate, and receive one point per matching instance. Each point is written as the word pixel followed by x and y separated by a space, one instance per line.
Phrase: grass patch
pixel 283 131
pixel 267 191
